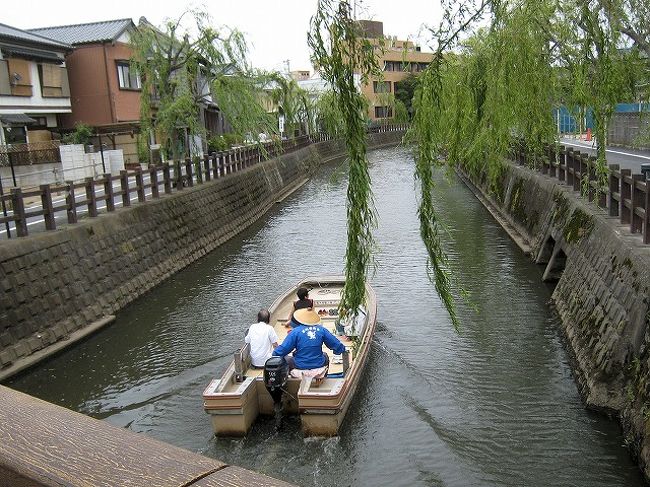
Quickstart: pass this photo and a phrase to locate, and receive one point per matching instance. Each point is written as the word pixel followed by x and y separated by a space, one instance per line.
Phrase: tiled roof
pixel 107 30
pixel 12 33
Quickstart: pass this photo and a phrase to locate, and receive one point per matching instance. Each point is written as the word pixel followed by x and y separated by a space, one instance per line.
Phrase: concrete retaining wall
pixel 602 295
pixel 59 286
pixel 629 129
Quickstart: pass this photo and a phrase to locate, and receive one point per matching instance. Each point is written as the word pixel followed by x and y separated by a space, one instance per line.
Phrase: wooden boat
pixel 236 399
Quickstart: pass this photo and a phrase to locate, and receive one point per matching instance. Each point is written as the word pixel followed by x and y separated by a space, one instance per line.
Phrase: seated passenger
pixel 351 324
pixel 303 302
pixel 262 338
pixel 306 342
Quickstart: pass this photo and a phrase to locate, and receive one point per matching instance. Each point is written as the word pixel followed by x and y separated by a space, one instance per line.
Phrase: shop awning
pixel 16 119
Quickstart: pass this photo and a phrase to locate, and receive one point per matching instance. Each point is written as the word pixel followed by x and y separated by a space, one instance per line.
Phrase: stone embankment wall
pixel 59 286
pixel 602 294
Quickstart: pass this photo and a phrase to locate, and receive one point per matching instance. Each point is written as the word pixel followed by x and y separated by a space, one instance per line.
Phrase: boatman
pixel 262 338
pixel 306 342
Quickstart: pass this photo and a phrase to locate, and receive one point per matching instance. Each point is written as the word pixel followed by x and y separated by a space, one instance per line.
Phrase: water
pixel 493 406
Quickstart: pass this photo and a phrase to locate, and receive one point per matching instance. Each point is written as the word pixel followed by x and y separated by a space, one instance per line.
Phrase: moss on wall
pixel 580 225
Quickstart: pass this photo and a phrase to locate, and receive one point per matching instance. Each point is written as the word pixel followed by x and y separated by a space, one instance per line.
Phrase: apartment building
pixel 34 90
pixel 398 59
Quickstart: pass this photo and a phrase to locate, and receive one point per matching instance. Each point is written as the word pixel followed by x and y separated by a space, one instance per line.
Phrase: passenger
pixel 262 338
pixel 306 342
pixel 303 302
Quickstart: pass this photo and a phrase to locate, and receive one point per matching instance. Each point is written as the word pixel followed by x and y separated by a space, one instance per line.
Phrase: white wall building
pixel 33 85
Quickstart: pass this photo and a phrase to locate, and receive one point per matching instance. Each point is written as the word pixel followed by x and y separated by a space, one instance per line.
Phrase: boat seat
pixel 242 362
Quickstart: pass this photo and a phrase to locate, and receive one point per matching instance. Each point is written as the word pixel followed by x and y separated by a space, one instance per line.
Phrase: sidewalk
pixel 624 157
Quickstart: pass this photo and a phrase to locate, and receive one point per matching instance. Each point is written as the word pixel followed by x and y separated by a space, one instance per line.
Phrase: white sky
pixel 276 30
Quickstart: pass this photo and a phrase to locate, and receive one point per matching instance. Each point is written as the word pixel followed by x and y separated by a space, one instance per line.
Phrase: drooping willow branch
pixel 427 132
pixel 340 52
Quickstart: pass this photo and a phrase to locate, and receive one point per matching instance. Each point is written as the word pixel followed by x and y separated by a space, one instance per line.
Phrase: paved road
pixel 626 158
pixel 36 224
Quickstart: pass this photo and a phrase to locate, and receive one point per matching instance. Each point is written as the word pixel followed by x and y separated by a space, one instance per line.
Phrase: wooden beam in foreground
pixel 46 445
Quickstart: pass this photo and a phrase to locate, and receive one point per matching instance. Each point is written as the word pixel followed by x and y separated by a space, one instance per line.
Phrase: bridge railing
pixel 93 196
pixel 624 195
pixel 46 445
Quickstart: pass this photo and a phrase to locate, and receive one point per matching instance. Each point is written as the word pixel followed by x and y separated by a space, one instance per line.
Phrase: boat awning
pixel 16 119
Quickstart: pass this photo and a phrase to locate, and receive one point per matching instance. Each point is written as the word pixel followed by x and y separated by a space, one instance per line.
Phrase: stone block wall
pixel 58 285
pixel 602 296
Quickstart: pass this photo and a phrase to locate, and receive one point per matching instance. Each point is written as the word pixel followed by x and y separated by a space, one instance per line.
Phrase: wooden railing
pixel 99 195
pixel 624 195
pixel 45 445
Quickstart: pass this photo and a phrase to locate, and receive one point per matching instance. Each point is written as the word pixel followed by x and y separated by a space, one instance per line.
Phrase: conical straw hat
pixel 306 316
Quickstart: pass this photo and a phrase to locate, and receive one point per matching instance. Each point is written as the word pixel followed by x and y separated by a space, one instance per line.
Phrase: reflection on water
pixel 493 406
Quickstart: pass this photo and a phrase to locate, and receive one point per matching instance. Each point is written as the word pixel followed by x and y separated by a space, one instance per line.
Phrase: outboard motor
pixel 276 373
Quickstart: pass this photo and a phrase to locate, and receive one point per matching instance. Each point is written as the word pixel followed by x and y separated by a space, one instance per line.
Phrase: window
pixel 383 112
pixel 19 77
pixel 397 66
pixel 129 78
pixel 381 86
pixel 15 135
pixel 54 80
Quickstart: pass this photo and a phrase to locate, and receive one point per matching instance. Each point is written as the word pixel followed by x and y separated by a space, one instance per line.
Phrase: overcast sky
pixel 276 30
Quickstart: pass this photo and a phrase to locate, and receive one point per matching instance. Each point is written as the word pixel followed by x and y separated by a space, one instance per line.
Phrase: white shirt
pixel 261 336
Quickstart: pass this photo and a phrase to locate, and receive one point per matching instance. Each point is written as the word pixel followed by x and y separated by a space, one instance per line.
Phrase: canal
pixel 495 405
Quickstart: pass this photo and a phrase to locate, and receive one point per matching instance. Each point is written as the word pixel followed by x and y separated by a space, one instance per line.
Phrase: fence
pixel 32 153
pixel 626 195
pixel 101 194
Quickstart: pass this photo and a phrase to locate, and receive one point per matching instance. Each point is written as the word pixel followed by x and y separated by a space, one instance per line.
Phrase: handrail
pixel 45 445
pixel 626 195
pixel 98 195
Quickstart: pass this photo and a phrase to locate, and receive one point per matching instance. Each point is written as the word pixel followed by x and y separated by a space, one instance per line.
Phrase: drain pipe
pixel 4 208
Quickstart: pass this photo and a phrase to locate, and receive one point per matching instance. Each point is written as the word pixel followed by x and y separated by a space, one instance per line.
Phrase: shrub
pixel 217 143
pixel 81 135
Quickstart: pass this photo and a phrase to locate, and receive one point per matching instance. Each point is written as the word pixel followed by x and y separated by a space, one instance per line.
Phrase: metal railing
pixel 625 195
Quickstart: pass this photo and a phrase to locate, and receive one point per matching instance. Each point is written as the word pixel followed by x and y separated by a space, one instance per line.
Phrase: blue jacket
pixel 307 341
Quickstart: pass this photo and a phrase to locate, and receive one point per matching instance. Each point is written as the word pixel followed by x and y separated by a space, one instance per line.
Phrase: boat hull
pixel 238 398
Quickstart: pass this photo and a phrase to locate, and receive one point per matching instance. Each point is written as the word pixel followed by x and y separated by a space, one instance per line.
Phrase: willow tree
pixel 292 102
pixel 340 51
pixel 428 133
pixel 498 90
pixel 327 114
pixel 591 51
pixel 487 89
pixel 181 72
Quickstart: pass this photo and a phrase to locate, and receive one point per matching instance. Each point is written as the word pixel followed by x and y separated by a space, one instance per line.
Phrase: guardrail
pixel 625 195
pixel 99 195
